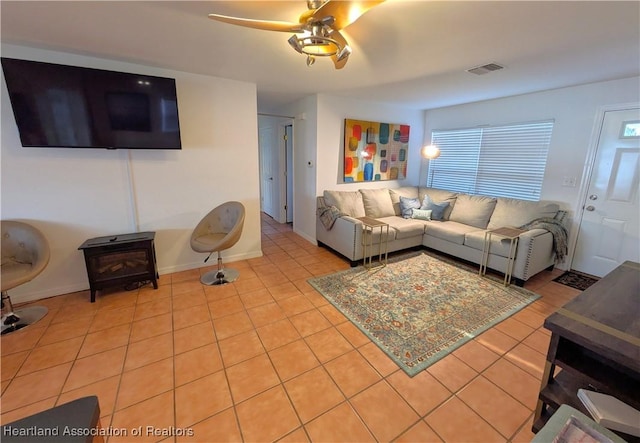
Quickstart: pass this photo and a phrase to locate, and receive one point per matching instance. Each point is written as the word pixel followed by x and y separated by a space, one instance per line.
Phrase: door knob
pixel 590 208
pixel 593 197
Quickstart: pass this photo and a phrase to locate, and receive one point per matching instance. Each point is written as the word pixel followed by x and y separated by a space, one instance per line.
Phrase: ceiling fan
pixel 317 33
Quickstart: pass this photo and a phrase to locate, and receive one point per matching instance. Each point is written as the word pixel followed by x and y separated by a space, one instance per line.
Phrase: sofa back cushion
pixel 405 191
pixel 439 196
pixel 377 202
pixel 348 202
pixel 473 210
pixel 515 213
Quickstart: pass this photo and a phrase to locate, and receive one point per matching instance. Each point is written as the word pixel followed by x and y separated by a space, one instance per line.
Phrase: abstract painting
pixel 375 151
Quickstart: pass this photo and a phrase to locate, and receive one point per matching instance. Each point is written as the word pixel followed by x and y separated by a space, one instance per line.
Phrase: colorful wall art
pixel 375 151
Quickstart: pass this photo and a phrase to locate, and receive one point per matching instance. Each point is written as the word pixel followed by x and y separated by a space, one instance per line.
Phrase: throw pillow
pixel 421 214
pixel 437 208
pixel 407 205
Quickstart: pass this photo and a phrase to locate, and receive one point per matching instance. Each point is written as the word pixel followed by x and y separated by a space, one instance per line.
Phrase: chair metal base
pixel 222 277
pixel 21 318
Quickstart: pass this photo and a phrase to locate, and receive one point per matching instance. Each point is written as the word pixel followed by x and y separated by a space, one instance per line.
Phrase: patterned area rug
pixel 419 308
pixel 576 280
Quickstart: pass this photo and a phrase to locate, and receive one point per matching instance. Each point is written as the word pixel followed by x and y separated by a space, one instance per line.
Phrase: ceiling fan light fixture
pixel 310 60
pixel 295 43
pixel 344 53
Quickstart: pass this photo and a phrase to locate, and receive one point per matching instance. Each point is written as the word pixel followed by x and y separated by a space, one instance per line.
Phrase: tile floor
pixel 267 358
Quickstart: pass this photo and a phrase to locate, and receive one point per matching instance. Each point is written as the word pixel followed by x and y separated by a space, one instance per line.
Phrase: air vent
pixel 485 69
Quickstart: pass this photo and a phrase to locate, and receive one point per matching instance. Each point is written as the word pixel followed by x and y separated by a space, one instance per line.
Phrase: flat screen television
pixel 74 107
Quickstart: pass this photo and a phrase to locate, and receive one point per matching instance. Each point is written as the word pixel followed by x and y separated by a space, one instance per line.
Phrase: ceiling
pixel 411 53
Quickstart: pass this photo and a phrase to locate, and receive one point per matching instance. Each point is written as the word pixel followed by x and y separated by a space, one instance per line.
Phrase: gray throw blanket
pixel 558 231
pixel 328 216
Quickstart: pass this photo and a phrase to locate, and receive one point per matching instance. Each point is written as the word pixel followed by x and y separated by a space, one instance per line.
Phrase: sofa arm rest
pixel 344 237
pixel 535 253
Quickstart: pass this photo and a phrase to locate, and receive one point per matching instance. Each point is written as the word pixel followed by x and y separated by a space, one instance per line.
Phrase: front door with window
pixel 610 229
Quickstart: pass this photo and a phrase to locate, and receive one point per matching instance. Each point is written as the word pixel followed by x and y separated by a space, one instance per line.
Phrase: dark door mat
pixel 576 280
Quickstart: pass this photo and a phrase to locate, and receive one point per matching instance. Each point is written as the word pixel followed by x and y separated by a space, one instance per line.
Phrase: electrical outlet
pixel 569 182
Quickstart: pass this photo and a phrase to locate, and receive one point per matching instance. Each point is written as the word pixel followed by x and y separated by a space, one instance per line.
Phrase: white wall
pixel 76 194
pixel 318 149
pixel 574 110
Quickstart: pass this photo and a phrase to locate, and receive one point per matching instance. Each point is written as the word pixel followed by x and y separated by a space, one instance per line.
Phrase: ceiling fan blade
pixel 340 59
pixel 344 12
pixel 266 25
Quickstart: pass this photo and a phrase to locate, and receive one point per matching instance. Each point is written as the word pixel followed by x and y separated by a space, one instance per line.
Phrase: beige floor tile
pixel 147 351
pixel 94 368
pixel 310 322
pixel 47 356
pixel 352 373
pixel 496 341
pixel 145 382
pixel 25 411
pixel 313 393
pixel 515 381
pixel 384 412
pixel 340 424
pixel 267 416
pixel 421 432
pixel 266 314
pixel 452 372
pixel 293 359
pixel 528 359
pixel 34 387
pixel 232 324
pixel 476 355
pixel 225 306
pixel 106 391
pixel 108 318
pixel 26 338
pixel 278 333
pixel 191 316
pixel 150 327
pixel 494 405
pixel 140 422
pixel 105 339
pixel 197 363
pixel 328 344
pixel 222 427
pixel 514 328
pixel 193 337
pixel 423 392
pixel 11 363
pixel 240 348
pixel 201 399
pixel 378 359
pixel 455 421
pixel 243 381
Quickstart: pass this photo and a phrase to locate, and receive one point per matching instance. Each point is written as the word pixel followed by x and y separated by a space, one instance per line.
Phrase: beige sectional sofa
pixel 460 232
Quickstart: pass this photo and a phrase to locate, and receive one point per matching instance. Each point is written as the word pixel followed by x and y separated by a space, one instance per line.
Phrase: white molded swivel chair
pixel 220 229
pixel 25 254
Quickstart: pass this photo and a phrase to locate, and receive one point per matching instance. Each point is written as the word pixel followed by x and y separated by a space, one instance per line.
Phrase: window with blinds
pixel 500 161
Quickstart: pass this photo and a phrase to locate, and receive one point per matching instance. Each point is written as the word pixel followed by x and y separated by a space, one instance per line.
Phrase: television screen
pixel 67 106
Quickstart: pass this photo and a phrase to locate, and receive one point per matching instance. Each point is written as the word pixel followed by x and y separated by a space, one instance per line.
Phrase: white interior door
pixel 267 182
pixel 610 229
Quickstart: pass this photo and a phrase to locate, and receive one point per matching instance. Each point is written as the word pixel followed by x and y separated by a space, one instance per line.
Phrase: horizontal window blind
pixel 501 161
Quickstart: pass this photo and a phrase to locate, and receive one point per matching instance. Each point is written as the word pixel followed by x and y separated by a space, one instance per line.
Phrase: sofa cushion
pixel 439 195
pixel 405 227
pixel 437 208
pixel 405 191
pixel 421 214
pixel 407 205
pixel 514 212
pixel 499 245
pixel 473 210
pixel 348 202
pixel 377 202
pixel 448 230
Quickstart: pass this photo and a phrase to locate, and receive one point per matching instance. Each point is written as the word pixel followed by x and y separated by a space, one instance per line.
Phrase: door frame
pixel 588 170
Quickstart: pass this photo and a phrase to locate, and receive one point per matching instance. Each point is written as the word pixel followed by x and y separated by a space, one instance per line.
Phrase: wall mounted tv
pixel 73 107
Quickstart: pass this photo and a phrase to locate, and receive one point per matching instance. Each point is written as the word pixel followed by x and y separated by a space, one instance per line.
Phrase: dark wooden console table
pixel 118 260
pixel 595 340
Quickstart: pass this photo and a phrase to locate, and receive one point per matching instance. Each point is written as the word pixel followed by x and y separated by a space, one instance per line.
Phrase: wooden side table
pixel 511 234
pixel 369 226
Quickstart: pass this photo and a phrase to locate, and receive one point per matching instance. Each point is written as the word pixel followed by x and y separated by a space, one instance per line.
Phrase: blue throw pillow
pixel 437 208
pixel 407 205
